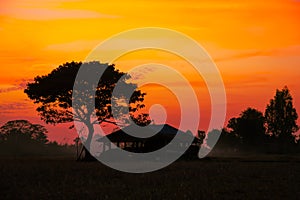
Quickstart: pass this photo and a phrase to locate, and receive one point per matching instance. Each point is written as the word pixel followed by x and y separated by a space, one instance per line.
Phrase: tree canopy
pixel 23 131
pixel 54 95
pixel 281 116
pixel 249 126
pixel 227 141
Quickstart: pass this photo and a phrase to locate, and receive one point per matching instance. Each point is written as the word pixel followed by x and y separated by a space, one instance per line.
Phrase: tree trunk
pixel 87 145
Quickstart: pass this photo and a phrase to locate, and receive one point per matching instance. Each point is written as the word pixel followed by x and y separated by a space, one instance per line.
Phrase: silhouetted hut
pixel 160 135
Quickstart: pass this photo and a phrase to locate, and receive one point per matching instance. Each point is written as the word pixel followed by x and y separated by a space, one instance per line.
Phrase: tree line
pixel 273 131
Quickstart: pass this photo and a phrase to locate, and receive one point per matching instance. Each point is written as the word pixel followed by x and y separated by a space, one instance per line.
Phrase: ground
pixel 212 178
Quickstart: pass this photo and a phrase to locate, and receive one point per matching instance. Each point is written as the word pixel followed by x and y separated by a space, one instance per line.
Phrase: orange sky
pixel 255 44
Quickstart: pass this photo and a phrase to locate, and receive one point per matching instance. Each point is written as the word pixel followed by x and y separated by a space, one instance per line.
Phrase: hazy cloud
pixel 53 14
pixel 20 85
pixel 79 45
pixel 9 88
pixel 285 51
pixel 13 106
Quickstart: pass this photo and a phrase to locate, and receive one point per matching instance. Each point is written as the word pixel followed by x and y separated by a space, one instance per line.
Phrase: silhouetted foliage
pixel 141 119
pixel 249 127
pixel 201 136
pixel 22 128
pixel 281 117
pixel 20 137
pixel 227 142
pixel 53 93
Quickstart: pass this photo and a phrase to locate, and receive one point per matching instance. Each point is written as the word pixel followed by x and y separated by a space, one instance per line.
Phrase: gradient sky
pixel 255 44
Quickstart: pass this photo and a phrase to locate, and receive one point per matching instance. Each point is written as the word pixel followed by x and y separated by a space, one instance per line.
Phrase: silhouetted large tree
pixel 281 116
pixel 249 126
pixel 54 94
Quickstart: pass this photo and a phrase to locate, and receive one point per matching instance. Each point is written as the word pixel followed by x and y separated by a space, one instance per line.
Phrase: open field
pixel 64 178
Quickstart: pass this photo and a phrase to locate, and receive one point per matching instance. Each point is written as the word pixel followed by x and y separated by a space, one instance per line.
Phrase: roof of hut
pixel 161 131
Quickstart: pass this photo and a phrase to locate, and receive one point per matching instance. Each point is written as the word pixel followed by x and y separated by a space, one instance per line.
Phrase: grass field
pixel 212 178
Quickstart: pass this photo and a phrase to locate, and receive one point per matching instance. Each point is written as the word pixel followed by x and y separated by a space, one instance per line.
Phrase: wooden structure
pixel 162 135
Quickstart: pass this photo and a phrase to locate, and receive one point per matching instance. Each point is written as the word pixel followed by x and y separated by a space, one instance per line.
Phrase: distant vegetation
pixel 272 132
pixel 22 138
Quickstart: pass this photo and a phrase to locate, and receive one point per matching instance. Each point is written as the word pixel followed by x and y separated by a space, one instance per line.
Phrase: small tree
pixel 22 130
pixel 249 126
pixel 20 137
pixel 54 94
pixel 281 116
pixel 201 136
pixel 227 142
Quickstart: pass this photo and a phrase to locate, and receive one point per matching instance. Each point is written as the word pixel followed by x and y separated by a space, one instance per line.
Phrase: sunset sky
pixel 255 44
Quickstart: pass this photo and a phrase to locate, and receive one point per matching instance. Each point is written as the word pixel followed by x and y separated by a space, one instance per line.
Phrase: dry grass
pixel 62 178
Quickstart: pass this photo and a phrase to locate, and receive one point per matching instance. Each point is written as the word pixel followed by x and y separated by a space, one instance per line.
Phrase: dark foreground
pixel 61 178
